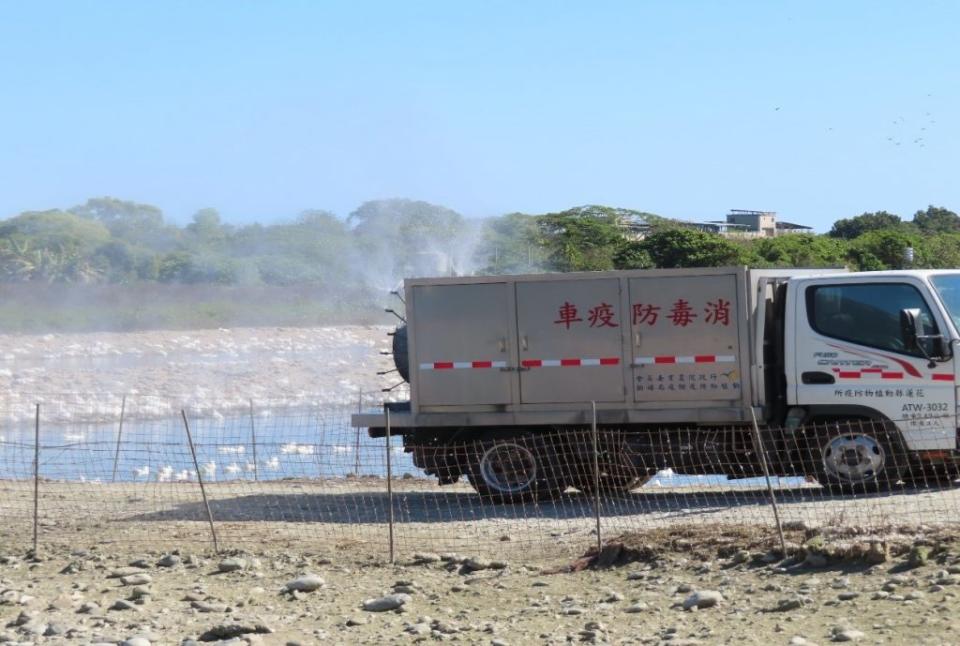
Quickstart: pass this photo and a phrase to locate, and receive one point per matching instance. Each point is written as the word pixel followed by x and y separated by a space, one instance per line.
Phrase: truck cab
pixel 875 346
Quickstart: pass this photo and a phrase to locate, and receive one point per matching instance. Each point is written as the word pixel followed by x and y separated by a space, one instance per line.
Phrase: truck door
pixel 571 345
pixel 685 338
pixel 850 354
pixel 461 348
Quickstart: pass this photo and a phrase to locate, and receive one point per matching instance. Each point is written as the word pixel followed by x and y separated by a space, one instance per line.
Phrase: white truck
pixel 852 376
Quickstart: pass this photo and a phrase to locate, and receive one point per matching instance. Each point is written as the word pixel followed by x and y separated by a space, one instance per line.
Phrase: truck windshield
pixel 948 286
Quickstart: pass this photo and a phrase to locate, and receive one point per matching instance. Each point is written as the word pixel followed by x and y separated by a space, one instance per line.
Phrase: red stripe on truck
pixel 664 359
pixel 942 377
pixel 569 362
pixel 609 361
pixel 704 358
pixel 482 364
pixel 531 363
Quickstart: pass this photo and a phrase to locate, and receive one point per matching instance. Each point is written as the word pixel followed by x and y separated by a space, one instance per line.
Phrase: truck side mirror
pixel 909 319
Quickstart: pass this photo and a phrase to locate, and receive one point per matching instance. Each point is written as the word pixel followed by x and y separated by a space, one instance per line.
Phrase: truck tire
pixel 512 469
pixel 856 456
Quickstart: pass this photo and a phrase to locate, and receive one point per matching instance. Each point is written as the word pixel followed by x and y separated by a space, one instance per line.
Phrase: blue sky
pixel 818 110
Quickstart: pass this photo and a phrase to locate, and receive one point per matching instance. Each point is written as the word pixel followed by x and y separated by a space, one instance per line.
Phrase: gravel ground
pixel 687 591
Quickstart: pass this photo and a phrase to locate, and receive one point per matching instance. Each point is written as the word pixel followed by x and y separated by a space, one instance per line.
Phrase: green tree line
pixel 112 241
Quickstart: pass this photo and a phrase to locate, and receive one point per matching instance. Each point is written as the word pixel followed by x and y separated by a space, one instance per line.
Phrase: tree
pixel 850 228
pixel 132 222
pixel 936 219
pixel 510 244
pixel 398 238
pixel 801 250
pixel 581 239
pixel 677 247
pixel 879 250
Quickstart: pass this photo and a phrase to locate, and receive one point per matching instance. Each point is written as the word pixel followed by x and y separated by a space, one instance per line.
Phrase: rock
pixel 54 630
pixel 124 571
pixel 135 641
pixel 88 608
pixel 848 596
pixel 919 555
pixel 141 578
pixel 474 564
pixel 702 599
pixel 229 631
pixel 123 604
pixel 170 560
pixel 815 560
pixel 355 621
pixel 636 607
pixel 389 602
pixel 848 635
pixel 741 557
pixel 232 565
pixel 789 603
pixel 878 553
pixel 202 606
pixel 304 583
pixel 572 610
pixel 422 558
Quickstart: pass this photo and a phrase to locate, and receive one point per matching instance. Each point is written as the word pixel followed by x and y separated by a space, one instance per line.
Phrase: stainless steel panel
pixel 685 338
pixel 462 339
pixel 570 338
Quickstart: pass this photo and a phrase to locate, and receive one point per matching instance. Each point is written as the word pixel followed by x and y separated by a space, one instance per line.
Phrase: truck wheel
pixel 515 469
pixel 858 456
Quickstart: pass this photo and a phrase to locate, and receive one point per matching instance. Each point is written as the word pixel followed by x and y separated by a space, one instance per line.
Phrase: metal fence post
pixel 36 483
pixel 758 446
pixel 596 472
pixel 253 441
pixel 386 410
pixel 116 455
pixel 356 446
pixel 203 490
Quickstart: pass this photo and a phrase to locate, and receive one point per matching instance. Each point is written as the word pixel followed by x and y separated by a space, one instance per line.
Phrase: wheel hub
pixel 508 467
pixel 853 457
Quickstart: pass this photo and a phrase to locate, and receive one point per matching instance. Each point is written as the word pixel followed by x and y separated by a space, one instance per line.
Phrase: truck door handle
pixel 817 378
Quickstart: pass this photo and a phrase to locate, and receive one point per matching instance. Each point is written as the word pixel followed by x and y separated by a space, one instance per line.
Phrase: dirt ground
pixel 737 590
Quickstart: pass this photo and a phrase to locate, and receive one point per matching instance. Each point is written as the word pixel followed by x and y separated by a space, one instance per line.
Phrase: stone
pixel 389 602
pixel 848 635
pixel 123 604
pixel 636 607
pixel 230 631
pixel 422 558
pixel 231 565
pixel 304 583
pixel 88 608
pixel 170 560
pixel 135 641
pixel 141 578
pixel 202 606
pixel 919 555
pixel 702 599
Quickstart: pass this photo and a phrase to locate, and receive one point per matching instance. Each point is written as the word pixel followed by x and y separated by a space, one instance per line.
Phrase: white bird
pixel 251 467
pixel 273 463
pixel 165 474
pixel 183 476
pixel 340 448
pixel 232 468
pixel 235 450
pixel 74 437
pixel 141 472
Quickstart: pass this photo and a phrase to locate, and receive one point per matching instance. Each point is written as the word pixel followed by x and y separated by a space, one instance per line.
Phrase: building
pixel 753 224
